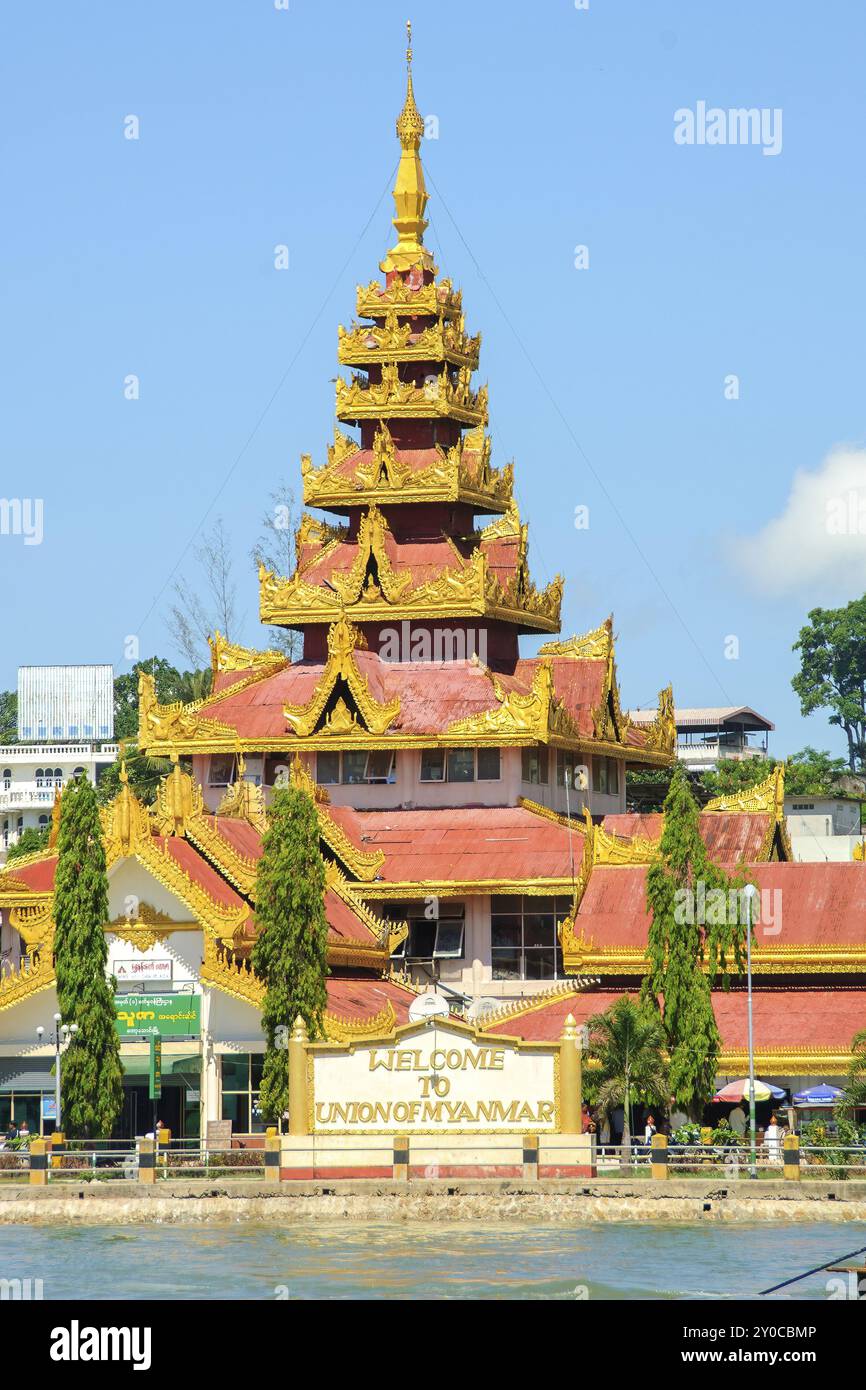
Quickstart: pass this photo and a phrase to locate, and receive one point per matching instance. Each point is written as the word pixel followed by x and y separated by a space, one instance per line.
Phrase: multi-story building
pixel 706 737
pixel 65 723
pixel 469 798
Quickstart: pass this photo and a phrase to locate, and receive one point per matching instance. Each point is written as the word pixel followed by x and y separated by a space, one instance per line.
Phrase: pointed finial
pixel 410 195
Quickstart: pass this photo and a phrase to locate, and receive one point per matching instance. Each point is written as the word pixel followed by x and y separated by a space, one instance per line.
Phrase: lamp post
pixel 63 1032
pixel 750 892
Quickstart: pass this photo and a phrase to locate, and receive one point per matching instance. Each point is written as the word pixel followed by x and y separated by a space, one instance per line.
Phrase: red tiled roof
pixel 817 904
pixel 39 876
pixel 578 684
pixel 728 835
pixel 800 1019
pixel 343 923
pixel 464 844
pixel 423 559
pixel 364 998
pixel 199 870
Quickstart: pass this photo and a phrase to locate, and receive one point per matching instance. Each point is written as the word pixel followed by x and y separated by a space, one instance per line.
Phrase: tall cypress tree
pixel 697 919
pixel 92 1075
pixel 291 953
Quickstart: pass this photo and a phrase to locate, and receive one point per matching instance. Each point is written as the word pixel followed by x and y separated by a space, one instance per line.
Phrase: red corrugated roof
pixel 812 904
pixel 39 876
pixel 728 835
pixel 364 998
pixel 808 1018
pixel 464 844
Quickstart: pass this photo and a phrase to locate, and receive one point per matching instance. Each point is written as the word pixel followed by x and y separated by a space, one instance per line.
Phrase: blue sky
pixel 260 126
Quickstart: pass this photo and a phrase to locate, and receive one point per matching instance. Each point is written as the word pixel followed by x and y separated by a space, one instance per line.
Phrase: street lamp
pixel 750 892
pixel 62 1034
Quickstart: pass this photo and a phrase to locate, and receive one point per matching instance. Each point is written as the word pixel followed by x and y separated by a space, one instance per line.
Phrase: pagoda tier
pixel 417 474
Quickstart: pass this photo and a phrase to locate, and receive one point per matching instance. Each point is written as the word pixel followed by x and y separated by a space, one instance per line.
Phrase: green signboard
pixel 154 1089
pixel 164 1015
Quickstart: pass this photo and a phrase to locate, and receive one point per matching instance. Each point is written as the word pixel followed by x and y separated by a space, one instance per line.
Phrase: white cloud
pixel 818 543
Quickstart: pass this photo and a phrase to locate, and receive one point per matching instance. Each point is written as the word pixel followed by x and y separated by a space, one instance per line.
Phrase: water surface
pixel 377 1260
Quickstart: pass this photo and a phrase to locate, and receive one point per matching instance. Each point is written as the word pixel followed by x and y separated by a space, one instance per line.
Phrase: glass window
pixel 448 944
pixel 422 938
pixel 236 1107
pixel 380 766
pixel 599 774
pixel 613 776
pixel 433 765
pixel 488 765
pixel 523 937
pixel 461 764
pixel 327 769
pixel 535 766
pixel 354 768
pixel 222 769
pixel 241 1079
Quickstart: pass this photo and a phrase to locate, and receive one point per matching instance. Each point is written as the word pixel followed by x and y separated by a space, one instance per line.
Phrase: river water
pixel 348 1260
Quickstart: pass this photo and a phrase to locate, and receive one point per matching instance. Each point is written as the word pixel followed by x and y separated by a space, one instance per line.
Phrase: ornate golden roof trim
pixel 339 1028
pixel 168 728
pixel 31 977
pixel 444 340
pixel 232 974
pixel 585 956
pixel 229 656
pixel 394 399
pixel 343 641
pixel 401 890
pixel 592 646
pixel 239 869
pixel 374 300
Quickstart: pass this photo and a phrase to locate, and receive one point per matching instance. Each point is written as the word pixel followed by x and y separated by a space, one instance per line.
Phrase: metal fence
pixel 829 1162
pixel 113 1160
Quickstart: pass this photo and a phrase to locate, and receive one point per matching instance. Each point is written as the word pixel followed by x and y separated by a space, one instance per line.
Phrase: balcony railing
pixel 31 752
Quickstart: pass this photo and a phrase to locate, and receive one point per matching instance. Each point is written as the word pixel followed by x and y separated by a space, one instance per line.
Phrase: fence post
pixel 659 1157
pixel 57 1141
pixel 272 1156
pixel 298 1078
pixel 38 1162
pixel 147 1160
pixel 530 1157
pixel 401 1158
pixel 569 1080
pixel 791 1156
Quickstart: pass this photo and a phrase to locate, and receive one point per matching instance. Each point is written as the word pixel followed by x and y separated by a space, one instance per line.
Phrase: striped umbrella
pixel 739 1090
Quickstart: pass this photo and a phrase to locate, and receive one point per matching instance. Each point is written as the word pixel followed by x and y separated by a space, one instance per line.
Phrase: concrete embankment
pixel 105 1203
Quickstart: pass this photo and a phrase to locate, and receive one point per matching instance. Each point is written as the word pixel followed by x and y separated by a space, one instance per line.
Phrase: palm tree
pixel 628 1041
pixel 855 1082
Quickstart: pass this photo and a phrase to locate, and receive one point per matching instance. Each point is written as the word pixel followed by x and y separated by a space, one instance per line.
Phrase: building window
pixel 222 769
pixel 433 934
pixel 605 776
pixel 460 765
pixel 523 937
pixel 241 1081
pixel 7 778
pixel 43 821
pixel 534 766
pixel 354 769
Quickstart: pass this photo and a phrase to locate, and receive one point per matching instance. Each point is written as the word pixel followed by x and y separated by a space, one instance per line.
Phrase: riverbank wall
pixel 687 1200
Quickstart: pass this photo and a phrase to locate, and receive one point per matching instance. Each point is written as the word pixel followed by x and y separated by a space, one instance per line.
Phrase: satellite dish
pixel 428 1006
pixel 481 1006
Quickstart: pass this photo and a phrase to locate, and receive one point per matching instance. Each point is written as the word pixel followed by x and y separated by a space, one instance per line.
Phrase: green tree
pixel 627 1041
pixel 30 841
pixel 696 922
pixel 736 775
pixel 290 954
pixel 832 671
pixel 171 684
pixel 855 1083
pixel 92 1075
pixel 8 716
pixel 810 773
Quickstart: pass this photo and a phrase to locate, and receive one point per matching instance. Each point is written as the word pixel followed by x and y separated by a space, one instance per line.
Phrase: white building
pixel 823 828
pixel 63 713
pixel 706 737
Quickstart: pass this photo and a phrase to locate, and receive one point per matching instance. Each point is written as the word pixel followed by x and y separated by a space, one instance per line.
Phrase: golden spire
pixel 410 195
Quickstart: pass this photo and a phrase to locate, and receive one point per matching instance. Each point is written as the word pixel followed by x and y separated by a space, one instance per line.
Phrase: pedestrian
pixel 649 1130
pixel 773 1140
pixel 24 1135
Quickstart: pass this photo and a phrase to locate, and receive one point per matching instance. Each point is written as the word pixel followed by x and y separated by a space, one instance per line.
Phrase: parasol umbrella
pixel 818 1095
pixel 739 1090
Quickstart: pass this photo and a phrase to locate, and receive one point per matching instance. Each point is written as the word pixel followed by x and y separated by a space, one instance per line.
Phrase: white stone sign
pixel 434 1077
pixel 140 968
